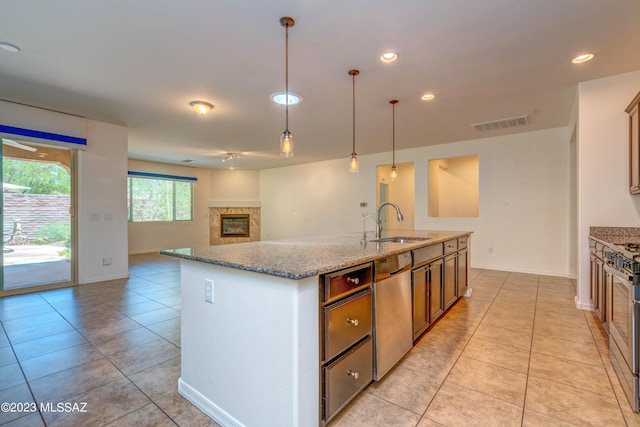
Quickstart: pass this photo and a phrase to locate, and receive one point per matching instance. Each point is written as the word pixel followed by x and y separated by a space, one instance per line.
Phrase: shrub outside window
pixel 153 199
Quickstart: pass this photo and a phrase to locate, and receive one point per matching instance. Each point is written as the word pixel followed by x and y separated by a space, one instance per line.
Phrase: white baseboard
pixel 526 271
pixel 583 306
pixel 208 407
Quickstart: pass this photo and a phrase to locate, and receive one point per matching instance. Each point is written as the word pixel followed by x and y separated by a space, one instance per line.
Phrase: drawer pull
pixel 354 322
pixel 355 375
pixel 354 280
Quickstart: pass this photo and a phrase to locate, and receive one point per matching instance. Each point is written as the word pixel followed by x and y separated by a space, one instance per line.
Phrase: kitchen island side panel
pixel 251 357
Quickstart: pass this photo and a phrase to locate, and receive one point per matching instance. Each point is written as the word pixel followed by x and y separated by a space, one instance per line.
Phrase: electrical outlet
pixel 107 260
pixel 490 250
pixel 208 290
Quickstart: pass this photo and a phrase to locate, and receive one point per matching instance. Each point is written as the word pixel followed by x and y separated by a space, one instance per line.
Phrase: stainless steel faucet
pixel 364 227
pixel 379 220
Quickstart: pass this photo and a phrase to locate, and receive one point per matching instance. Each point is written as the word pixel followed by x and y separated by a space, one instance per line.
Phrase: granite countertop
pixel 307 256
pixel 616 237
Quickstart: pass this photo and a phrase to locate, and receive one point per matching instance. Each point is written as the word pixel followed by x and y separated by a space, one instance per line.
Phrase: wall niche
pixel 454 187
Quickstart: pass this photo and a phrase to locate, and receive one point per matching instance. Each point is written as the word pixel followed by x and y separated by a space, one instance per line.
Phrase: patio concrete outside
pixel 30 265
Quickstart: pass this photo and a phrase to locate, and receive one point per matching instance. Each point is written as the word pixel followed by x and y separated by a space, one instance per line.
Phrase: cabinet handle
pixel 355 375
pixel 354 280
pixel 354 322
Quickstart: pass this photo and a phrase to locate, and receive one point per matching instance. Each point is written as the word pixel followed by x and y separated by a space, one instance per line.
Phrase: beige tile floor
pixel 516 353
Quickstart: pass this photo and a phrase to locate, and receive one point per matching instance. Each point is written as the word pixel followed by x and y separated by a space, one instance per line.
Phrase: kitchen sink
pixel 400 239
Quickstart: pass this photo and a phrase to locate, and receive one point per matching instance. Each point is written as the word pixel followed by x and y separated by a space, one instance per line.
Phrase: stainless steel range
pixel 622 279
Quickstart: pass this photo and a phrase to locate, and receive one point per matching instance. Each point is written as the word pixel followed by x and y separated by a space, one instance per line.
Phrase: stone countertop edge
pixel 299 258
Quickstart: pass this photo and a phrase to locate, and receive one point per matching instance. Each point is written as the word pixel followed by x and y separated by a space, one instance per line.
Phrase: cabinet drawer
pixel 345 282
pixel 463 242
pixel 346 322
pixel 424 255
pixel 450 246
pixel 345 377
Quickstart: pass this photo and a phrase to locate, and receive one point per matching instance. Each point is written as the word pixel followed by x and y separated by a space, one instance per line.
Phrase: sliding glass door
pixel 37 207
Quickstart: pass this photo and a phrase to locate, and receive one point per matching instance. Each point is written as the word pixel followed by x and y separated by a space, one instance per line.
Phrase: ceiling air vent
pixel 511 122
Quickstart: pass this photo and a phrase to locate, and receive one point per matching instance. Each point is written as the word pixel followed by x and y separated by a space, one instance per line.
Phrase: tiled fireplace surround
pixel 214 224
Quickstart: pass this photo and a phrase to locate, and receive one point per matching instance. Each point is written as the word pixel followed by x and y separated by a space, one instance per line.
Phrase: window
pixel 154 197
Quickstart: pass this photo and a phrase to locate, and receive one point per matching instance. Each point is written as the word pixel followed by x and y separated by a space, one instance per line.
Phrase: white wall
pixel 235 185
pixel 154 236
pixel 317 198
pixel 603 163
pixel 102 203
pixel 523 223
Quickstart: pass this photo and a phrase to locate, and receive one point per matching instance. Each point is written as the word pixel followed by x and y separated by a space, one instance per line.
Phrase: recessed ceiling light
pixel 281 98
pixel 428 97
pixel 201 107
pixel 389 57
pixel 9 47
pixel 582 58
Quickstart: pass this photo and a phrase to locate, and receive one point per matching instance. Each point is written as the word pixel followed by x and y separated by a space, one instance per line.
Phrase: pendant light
pixel 286 140
pixel 394 169
pixel 354 167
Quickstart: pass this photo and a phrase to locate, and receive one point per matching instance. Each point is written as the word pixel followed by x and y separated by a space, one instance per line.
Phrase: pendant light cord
pixel 353 153
pixel 286 77
pixel 394 132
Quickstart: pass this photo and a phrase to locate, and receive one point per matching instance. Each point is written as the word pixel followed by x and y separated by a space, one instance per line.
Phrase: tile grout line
pixel 28 383
pixel 465 346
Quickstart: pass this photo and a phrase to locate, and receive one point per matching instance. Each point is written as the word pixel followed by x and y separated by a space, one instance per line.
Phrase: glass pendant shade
pixel 286 145
pixel 354 167
pixel 394 173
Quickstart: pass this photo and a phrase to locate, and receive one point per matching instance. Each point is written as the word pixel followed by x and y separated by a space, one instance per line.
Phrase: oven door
pixel 624 314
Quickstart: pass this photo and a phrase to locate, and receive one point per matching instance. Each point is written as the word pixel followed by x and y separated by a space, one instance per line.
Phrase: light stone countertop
pixel 307 256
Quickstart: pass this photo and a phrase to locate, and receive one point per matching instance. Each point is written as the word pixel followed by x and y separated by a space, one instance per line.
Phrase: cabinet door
pixel 600 289
pixel 461 277
pixel 634 150
pixel 420 309
pixel 434 289
pixel 594 285
pixel 450 294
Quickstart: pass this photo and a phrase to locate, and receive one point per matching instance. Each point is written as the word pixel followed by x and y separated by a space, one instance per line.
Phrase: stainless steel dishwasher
pixel 393 330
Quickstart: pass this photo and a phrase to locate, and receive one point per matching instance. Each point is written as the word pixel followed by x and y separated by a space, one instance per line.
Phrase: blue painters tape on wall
pixel 160 175
pixel 43 135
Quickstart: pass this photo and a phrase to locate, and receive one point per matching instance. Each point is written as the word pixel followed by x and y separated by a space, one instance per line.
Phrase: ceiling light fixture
pixel 286 139
pixel 353 164
pixel 428 97
pixel 394 169
pixel 201 107
pixel 582 58
pixel 9 47
pixel 230 157
pixel 389 57
pixel 188 161
pixel 281 98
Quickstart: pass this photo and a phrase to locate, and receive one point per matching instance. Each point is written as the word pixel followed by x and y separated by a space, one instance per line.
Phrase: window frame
pixel 174 179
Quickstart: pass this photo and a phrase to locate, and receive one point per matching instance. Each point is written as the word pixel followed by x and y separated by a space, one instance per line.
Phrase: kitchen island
pixel 251 356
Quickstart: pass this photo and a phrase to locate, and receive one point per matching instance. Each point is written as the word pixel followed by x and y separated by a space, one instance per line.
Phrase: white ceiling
pixel 139 64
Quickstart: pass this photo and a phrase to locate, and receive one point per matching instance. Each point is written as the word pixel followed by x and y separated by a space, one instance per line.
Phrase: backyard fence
pixel 34 211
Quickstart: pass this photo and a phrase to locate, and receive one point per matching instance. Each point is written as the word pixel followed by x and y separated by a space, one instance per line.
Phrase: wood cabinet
pixel 439 278
pixel 450 289
pixel 597 280
pixel 435 282
pixel 634 145
pixel 462 274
